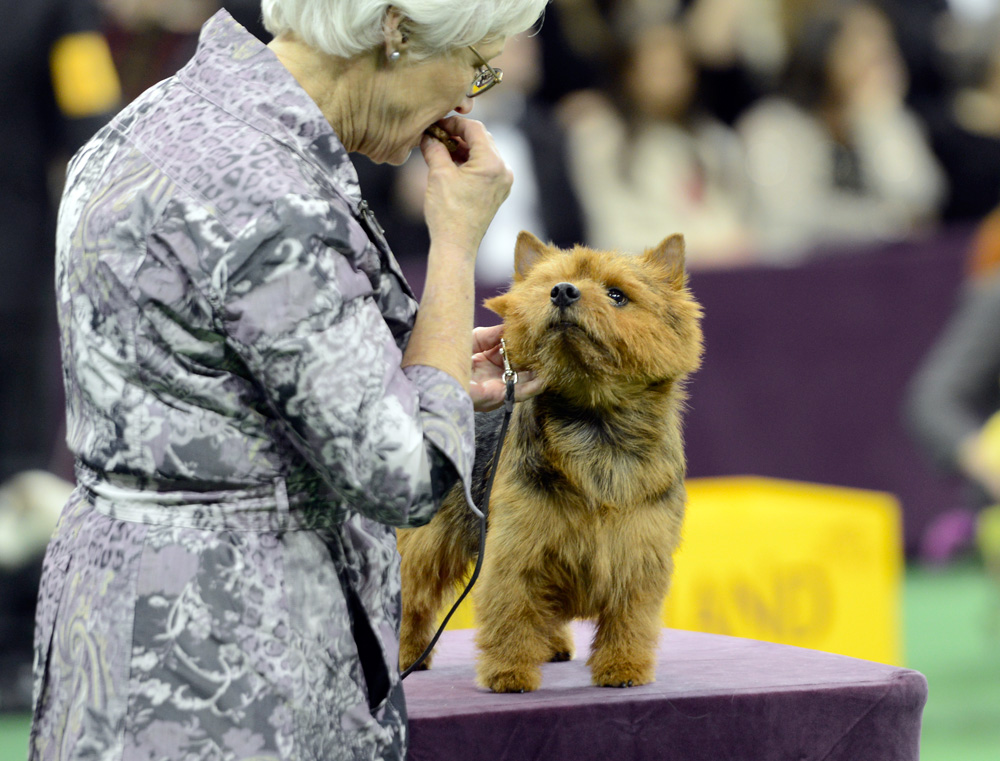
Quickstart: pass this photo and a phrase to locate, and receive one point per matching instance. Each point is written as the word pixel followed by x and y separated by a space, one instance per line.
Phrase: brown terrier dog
pixel 589 496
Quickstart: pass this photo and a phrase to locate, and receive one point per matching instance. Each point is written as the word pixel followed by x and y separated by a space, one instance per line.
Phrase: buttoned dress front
pixel 224 583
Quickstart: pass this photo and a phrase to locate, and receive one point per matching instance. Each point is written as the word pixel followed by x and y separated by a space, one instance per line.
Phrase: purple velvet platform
pixel 714 698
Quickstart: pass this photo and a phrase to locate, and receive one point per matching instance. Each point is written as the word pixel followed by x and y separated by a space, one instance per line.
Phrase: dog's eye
pixel 618 296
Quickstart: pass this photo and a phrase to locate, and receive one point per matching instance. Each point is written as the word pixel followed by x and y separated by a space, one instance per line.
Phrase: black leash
pixel 509 378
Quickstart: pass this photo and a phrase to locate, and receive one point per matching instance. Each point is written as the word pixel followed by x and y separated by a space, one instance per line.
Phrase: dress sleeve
pixel 299 306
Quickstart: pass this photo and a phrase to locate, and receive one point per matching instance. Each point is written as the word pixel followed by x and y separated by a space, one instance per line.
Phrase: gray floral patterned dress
pixel 224 583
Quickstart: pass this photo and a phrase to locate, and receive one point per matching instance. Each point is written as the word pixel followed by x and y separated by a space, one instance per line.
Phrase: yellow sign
pixel 799 564
pixel 83 75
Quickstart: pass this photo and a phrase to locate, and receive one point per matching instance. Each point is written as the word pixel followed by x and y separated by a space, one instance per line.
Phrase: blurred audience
pixel 838 157
pixel 921 30
pixel 58 86
pixel 579 37
pixel 151 39
pixel 741 47
pixel 966 135
pixel 648 163
pixel 859 121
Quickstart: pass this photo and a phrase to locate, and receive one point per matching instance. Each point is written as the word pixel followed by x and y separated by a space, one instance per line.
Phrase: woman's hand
pixel 465 191
pixel 488 388
pixel 463 194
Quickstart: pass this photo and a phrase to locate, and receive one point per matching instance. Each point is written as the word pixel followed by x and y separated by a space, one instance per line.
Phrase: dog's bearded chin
pixel 571 346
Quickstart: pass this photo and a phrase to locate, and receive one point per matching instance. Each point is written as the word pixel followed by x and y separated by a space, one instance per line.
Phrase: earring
pixel 394 56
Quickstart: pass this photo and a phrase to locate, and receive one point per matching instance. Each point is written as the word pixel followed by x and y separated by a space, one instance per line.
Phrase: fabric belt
pixel 263 508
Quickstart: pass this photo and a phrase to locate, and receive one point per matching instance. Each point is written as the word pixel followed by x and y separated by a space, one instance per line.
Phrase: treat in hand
pixel 440 134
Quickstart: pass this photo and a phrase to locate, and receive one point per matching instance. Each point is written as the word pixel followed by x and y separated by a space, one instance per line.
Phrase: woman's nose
pixel 465 107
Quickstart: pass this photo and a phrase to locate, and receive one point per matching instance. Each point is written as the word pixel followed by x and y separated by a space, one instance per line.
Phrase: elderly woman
pixel 253 398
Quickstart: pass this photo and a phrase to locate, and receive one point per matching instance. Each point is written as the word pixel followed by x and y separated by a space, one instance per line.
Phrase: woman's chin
pixel 402 155
pixel 395 157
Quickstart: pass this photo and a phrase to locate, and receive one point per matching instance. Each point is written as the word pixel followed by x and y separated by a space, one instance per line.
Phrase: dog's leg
pixel 561 644
pixel 624 649
pixel 434 562
pixel 515 631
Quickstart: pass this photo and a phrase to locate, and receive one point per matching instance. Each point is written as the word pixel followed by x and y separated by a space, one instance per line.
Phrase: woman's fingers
pixel 461 199
pixel 486 338
pixel 528 385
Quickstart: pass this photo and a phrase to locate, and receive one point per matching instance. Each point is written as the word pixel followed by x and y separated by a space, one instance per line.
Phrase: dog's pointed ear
pixel 497 304
pixel 528 251
pixel 669 255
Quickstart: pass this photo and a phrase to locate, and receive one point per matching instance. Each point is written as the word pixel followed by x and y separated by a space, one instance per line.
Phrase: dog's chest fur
pixel 591 459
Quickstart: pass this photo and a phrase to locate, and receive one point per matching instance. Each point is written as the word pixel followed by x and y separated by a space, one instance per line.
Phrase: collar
pixel 241 75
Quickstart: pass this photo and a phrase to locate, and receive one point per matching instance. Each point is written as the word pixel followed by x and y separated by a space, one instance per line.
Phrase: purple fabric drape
pixel 805 370
pixel 714 698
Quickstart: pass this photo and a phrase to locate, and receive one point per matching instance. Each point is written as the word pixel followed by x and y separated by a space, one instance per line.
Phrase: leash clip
pixel 509 375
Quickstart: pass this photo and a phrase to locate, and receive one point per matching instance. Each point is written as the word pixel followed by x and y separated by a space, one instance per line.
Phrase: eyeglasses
pixel 486 78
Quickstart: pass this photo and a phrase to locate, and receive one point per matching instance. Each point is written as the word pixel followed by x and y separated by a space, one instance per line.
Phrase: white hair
pixel 348 27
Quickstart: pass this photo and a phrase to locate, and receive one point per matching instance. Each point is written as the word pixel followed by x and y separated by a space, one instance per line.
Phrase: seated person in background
pixel 741 47
pixel 648 163
pixel 578 36
pixel 839 158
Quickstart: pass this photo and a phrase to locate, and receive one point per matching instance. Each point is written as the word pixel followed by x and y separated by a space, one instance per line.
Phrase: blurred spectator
pixel 151 39
pixel 184 16
pixel 953 404
pixel 58 86
pixel 921 28
pixel 648 164
pixel 966 134
pixel 839 158
pixel 532 142
pixel 741 49
pixel 578 38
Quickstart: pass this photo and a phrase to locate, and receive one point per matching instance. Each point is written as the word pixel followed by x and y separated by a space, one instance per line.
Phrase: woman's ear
pixel 395 34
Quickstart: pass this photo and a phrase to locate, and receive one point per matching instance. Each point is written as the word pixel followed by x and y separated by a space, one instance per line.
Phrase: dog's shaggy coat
pixel 589 495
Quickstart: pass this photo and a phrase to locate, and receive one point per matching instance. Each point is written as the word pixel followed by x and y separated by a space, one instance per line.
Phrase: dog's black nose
pixel 564 294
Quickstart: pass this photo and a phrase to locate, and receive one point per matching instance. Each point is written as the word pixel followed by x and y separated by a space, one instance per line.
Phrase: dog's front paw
pixel 622 675
pixel 512 680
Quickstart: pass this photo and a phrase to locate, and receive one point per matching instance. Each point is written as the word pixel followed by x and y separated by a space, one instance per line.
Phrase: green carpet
pixel 14 737
pixel 952 632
